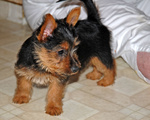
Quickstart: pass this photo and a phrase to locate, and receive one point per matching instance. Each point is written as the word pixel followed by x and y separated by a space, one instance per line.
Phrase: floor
pixel 127 99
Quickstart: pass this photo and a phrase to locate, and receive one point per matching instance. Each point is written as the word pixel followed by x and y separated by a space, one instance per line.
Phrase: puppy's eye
pixel 61 52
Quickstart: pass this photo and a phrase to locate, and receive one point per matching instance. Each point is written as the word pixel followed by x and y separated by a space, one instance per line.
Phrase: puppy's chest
pixel 36 77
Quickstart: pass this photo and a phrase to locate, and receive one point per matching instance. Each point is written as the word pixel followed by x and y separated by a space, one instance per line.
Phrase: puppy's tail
pixel 93 14
pixel 92 11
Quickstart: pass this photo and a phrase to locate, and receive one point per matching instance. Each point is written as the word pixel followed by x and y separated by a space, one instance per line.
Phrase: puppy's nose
pixel 74 69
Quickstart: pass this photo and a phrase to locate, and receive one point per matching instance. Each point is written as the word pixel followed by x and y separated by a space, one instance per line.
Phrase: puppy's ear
pixel 47 28
pixel 73 16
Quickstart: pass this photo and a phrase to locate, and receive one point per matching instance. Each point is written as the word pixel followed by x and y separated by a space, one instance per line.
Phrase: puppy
pixel 57 50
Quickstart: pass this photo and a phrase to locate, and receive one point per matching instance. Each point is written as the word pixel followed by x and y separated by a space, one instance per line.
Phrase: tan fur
pixel 23 90
pixel 54 98
pixel 73 16
pixel 52 62
pixel 47 28
pixel 34 76
pixel 65 45
pixel 95 74
pixel 25 77
pixel 99 69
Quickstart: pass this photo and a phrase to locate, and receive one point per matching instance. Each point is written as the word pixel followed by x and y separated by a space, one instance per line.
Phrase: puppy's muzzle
pixel 74 69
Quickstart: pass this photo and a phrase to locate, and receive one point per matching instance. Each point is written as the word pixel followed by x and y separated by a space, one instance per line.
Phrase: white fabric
pixel 35 10
pixel 128 20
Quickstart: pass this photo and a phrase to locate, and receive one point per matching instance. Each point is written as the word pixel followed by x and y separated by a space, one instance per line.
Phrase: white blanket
pixel 129 21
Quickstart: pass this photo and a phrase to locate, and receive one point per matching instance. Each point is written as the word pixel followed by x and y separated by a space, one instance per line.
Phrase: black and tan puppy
pixel 59 49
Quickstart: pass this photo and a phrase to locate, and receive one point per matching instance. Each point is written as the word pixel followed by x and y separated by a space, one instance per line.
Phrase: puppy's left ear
pixel 73 16
pixel 47 28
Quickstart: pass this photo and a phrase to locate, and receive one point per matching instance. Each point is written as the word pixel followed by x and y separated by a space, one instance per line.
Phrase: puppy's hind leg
pixel 109 74
pixel 94 75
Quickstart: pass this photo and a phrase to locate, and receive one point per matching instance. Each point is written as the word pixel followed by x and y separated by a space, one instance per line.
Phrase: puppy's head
pixel 55 49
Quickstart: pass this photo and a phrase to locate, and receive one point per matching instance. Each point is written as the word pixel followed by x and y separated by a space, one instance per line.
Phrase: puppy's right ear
pixel 47 28
pixel 73 16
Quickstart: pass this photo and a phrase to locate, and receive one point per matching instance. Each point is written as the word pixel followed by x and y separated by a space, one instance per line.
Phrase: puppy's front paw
pixel 20 99
pixel 54 111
